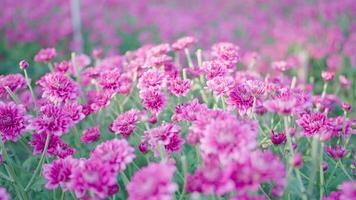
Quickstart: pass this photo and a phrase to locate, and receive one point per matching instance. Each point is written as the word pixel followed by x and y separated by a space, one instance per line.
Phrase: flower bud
pixel 23 64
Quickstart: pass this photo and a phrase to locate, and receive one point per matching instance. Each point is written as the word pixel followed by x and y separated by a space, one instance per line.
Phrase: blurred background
pixel 323 32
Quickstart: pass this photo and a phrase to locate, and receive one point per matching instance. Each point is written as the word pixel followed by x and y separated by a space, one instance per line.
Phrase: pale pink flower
pixel 45 55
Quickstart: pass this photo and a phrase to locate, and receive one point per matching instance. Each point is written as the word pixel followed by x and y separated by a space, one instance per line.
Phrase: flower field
pixel 178 100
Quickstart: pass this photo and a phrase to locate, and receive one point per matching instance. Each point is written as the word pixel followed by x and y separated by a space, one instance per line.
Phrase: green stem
pixel 30 88
pixel 185 169
pixel 12 94
pixel 189 59
pixel 289 142
pixel 39 166
pixel 321 174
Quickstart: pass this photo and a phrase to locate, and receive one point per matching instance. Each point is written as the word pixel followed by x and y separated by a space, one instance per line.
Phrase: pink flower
pixel 312 123
pixel 158 50
pixel 220 85
pixel 63 66
pixel 45 55
pixel 153 100
pixel 180 87
pixel 82 60
pixel 189 110
pixel 58 88
pixel 115 153
pixel 3 194
pixel 228 138
pixel 12 81
pixel 74 111
pixel 98 53
pixel 296 160
pixel 183 43
pixel 348 190
pixel 24 64
pixel 110 80
pixel 168 134
pixel 92 179
pixel 125 123
pixel 56 146
pixel 213 69
pixel 154 181
pixel 345 82
pixel 336 152
pixel 58 172
pixel 240 98
pixel 96 100
pixel 281 65
pixel 226 52
pixel 152 79
pixel 256 87
pixel 52 119
pixel 91 134
pixel 346 107
pixel 13 121
pixel 278 138
pixel 327 76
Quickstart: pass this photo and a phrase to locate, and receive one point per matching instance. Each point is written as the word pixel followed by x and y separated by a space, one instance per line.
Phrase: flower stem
pixel 30 88
pixel 12 94
pixel 185 169
pixel 39 166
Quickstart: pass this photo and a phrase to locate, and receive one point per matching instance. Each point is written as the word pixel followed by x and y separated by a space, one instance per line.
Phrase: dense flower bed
pixel 173 121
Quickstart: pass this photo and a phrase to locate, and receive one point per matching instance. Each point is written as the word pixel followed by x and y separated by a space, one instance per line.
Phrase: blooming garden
pixel 250 102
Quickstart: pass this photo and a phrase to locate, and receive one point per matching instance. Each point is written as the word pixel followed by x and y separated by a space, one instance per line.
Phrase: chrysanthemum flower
pixel 75 111
pixel 52 119
pixel 312 123
pixel 96 100
pixel 240 98
pixel 153 100
pixel 56 147
pixel 153 182
pixel 213 69
pixel 226 52
pixel 92 179
pixel 12 81
pixel 168 134
pixel 183 43
pixel 278 138
pixel 180 87
pixel 220 85
pixel 125 123
pixel 91 134
pixel 159 50
pixel 58 88
pixel 115 153
pixel 63 66
pixel 58 172
pixel 152 79
pixel 189 110
pixel 336 152
pixel 110 80
pixel 228 138
pixel 45 55
pixel 13 121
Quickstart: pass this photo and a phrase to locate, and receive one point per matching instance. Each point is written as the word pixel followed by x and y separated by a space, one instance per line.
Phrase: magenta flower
pixel 189 110
pixel 13 121
pixel 125 123
pixel 115 153
pixel 45 55
pixel 52 119
pixel 213 69
pixel 58 172
pixel 180 87
pixel 336 152
pixel 3 194
pixel 23 64
pixel 168 134
pixel 312 123
pixel 96 100
pixel 92 179
pixel 74 111
pixel 153 100
pixel 226 52
pixel 228 138
pixel 240 98
pixel 110 80
pixel 278 138
pixel 183 43
pixel 296 160
pixel 256 87
pixel 327 76
pixel 63 66
pixel 348 190
pixel 154 181
pixel 91 134
pixel 152 79
pixel 220 85
pixel 158 50
pixel 344 82
pixel 13 82
pixel 58 88
pixel 56 146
